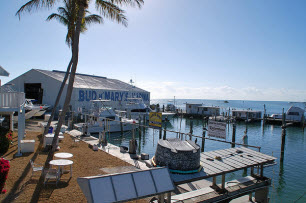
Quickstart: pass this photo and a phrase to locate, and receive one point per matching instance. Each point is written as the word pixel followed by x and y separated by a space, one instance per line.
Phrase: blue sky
pixel 199 49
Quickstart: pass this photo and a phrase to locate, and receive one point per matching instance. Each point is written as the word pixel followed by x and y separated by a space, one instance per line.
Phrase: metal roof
pixel 126 186
pixel 92 81
pixel 3 72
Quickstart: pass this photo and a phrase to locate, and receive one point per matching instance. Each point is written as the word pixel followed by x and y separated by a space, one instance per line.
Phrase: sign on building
pixel 155 119
pixel 217 129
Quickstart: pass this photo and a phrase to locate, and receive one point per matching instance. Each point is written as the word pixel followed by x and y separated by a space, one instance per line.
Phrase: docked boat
pixel 32 109
pixel 104 118
pixel 136 108
pixel 246 115
pixel 170 106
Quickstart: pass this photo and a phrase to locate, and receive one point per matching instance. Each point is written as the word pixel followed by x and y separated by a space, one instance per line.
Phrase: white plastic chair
pixel 75 140
pixel 35 167
pixel 52 174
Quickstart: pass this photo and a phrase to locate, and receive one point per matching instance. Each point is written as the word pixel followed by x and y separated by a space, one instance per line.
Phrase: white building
pixel 192 108
pixel 209 110
pixel 246 114
pixel 43 86
pixel 295 114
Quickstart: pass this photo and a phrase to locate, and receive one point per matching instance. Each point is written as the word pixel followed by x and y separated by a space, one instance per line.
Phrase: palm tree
pixel 67 17
pixel 109 9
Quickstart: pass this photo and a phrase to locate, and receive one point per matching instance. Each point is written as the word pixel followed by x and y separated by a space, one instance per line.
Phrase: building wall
pixel 49 85
pixel 80 96
pixel 192 108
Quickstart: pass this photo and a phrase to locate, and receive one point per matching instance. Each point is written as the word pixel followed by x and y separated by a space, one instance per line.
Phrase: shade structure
pixel 127 186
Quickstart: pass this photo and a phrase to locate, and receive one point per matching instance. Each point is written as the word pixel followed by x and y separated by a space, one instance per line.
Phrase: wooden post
pixel 168 197
pixel 12 121
pixel 160 133
pixel 283 118
pixel 191 125
pixel 261 170
pixel 165 131
pixel 163 108
pixel 303 121
pixel 223 182
pixel 264 116
pixel 234 135
pixel 203 140
pixel 283 143
pixel 214 184
pixel 121 125
pixel 139 126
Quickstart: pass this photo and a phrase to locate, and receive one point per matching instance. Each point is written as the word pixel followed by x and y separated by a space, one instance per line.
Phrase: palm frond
pixel 57 17
pixel 93 19
pixel 63 12
pixel 111 11
pixel 133 3
pixel 34 4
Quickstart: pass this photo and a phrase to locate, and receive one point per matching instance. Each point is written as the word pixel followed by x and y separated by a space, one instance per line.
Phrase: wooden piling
pixel 191 127
pixel 234 135
pixel 139 124
pixel 203 140
pixel 283 143
pixel 160 133
pixel 121 125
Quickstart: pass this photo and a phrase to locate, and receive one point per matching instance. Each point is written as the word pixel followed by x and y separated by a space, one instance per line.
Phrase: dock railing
pixel 179 134
pixel 12 100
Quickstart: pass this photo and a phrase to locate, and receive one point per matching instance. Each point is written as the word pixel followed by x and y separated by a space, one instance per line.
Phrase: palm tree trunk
pixel 75 57
pixel 58 97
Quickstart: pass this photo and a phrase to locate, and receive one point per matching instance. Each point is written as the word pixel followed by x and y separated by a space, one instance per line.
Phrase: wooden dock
pixel 215 163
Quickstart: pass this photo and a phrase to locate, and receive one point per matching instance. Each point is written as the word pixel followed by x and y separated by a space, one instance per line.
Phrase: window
pixel 293 113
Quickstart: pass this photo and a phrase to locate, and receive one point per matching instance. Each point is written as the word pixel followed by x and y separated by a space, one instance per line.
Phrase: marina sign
pixel 155 119
pixel 217 129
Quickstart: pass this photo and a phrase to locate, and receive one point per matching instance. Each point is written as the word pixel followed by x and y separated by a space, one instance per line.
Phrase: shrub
pixel 5 139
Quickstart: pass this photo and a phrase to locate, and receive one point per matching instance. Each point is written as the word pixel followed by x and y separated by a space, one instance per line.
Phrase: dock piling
pixel 234 135
pixel 121 125
pixel 203 140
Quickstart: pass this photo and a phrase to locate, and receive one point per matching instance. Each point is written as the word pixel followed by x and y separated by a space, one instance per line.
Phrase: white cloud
pixel 165 90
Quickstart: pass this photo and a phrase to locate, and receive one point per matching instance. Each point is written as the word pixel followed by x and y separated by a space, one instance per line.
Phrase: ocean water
pixel 288 179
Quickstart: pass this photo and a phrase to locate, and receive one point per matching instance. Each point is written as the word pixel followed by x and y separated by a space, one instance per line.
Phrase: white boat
pixel 103 118
pixel 170 106
pixel 135 107
pixel 32 109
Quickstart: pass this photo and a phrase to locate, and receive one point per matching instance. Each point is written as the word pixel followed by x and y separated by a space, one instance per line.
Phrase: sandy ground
pixel 22 187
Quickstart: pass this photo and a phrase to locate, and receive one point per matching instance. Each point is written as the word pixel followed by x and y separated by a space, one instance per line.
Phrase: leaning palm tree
pixel 109 9
pixel 67 16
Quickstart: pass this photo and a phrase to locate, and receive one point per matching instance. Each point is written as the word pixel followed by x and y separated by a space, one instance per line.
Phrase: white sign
pixel 217 129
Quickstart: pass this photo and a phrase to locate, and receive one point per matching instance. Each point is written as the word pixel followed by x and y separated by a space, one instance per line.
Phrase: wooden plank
pixel 258 154
pixel 224 165
pixel 214 163
pixel 252 157
pixel 214 171
pixel 230 156
pixel 235 156
pixel 226 161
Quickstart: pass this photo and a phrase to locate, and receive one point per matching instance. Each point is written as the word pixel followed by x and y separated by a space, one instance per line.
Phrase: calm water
pixel 288 180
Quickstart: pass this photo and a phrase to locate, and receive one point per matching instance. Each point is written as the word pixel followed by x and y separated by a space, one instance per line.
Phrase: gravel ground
pixel 21 186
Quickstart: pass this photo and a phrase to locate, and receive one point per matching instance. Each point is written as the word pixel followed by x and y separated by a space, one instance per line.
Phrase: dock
pixel 215 163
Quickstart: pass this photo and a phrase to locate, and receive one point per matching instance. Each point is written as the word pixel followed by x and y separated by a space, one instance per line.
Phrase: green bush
pixel 4 141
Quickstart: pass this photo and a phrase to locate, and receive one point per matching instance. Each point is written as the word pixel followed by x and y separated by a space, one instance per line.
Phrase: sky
pixel 196 49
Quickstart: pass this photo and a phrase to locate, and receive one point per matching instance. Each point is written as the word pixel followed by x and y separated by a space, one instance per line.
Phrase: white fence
pixel 11 99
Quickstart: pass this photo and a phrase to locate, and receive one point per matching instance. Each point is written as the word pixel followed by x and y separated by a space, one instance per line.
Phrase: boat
pixel 104 118
pixel 32 109
pixel 170 106
pixel 135 108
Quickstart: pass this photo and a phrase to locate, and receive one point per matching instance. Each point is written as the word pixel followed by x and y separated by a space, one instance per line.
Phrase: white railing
pixel 11 99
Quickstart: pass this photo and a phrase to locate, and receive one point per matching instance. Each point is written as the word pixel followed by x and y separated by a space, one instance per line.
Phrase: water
pixel 288 180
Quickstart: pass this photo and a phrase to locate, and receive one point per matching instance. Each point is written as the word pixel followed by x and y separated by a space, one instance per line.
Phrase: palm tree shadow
pixel 15 191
